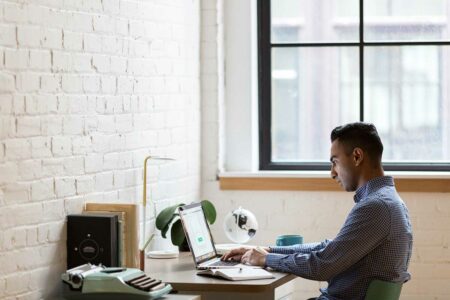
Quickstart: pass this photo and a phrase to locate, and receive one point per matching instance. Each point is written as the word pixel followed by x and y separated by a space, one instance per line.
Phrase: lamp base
pixel 163 254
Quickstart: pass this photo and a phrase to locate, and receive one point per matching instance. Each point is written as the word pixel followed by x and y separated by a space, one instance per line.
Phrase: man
pixel 376 239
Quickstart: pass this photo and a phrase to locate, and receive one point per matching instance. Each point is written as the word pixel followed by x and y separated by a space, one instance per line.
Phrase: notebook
pixel 237 273
pixel 199 238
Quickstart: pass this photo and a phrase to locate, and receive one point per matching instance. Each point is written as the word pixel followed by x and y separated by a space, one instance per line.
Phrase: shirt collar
pixel 371 186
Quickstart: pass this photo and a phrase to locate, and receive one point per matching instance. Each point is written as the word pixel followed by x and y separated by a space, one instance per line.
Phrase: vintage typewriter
pixel 119 283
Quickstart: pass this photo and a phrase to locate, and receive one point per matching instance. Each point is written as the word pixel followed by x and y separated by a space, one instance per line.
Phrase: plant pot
pixel 184 247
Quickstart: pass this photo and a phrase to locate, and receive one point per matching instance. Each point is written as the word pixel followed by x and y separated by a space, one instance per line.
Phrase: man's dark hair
pixel 361 135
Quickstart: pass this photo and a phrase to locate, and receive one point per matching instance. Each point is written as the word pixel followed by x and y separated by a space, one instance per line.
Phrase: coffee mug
pixel 289 240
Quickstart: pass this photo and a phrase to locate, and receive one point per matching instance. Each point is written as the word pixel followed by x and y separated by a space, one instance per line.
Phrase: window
pixel 324 63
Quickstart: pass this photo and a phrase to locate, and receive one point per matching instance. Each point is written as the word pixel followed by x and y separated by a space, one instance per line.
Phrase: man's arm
pixel 365 228
pixel 301 248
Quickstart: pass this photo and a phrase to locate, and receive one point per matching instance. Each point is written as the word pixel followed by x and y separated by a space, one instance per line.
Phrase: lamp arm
pixel 144 206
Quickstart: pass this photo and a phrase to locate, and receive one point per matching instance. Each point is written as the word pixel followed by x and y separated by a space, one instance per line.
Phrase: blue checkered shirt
pixel 375 242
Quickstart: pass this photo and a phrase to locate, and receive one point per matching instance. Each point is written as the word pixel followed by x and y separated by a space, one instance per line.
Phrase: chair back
pixel 383 290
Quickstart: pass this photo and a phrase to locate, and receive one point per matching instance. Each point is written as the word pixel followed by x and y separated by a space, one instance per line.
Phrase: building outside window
pixel 320 68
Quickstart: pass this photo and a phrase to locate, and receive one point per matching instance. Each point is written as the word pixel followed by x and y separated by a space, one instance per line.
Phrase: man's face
pixel 343 167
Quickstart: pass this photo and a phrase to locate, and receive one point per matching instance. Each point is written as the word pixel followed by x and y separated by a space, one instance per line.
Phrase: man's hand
pixel 235 254
pixel 254 257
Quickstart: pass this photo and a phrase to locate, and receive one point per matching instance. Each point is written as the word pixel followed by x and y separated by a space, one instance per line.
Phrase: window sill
pixel 427 182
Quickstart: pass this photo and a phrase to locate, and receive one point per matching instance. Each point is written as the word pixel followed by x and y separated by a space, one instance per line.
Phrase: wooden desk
pixel 181 274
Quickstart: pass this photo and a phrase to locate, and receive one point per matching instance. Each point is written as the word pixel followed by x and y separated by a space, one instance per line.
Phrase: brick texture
pixel 87 90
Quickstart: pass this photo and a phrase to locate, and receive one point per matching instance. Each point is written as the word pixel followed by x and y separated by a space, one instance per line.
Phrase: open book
pixel 245 273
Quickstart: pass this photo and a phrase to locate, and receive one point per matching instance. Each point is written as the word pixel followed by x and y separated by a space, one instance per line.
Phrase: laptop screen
pixel 197 232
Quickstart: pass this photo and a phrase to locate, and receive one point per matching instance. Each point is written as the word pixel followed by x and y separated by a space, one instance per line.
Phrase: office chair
pixel 383 290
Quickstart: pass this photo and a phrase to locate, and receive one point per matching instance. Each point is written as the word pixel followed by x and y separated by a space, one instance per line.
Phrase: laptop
pixel 200 239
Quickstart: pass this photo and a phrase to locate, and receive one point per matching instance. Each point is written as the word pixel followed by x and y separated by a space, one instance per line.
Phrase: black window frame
pixel 264 90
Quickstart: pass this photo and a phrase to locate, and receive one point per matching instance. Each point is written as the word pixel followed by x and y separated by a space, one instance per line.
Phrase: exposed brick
pixel 2 287
pixel 15 193
pixel 43 190
pixel 17 283
pixel 106 124
pixel 29 36
pixel 124 123
pixel 118 65
pixel 81 145
pixel 32 236
pixel 103 182
pixel 93 163
pixel 101 63
pixel 15 12
pixel 71 104
pixel 16 59
pixel 125 85
pixel 41 104
pixel 64 187
pixel 92 43
pixel 15 238
pixel 91 84
pixel 28 126
pixel 51 83
pixel 7 83
pixel 74 165
pixel 73 125
pixel 6 104
pixel 30 169
pixel 72 83
pixel 108 84
pixel 40 60
pixel 111 6
pixel 61 146
pixel 85 185
pixel 62 61
pixel 103 23
pixel 17 149
pixel 72 40
pixel 28 82
pixel 51 125
pixel 8 172
pixel 18 104
pixel 54 210
pixel 82 63
pixel 51 38
pixel 52 167
pixel 7 35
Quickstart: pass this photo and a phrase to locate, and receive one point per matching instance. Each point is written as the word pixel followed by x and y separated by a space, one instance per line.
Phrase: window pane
pixel 406 93
pixel 298 20
pixel 406 20
pixel 313 90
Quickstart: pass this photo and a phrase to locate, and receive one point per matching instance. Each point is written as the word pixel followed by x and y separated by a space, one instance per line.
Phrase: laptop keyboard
pixel 223 263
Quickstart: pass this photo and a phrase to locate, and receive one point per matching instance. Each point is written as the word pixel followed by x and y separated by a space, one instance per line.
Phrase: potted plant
pixel 170 215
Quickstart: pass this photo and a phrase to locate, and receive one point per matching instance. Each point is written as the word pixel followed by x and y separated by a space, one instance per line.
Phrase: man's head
pixel 356 152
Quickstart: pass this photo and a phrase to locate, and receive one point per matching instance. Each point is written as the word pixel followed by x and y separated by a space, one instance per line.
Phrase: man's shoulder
pixel 373 205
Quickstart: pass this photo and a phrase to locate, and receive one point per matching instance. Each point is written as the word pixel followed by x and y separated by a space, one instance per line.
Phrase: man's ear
pixel 358 156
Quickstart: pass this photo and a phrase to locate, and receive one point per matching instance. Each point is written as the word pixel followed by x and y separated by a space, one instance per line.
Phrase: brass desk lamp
pixel 144 204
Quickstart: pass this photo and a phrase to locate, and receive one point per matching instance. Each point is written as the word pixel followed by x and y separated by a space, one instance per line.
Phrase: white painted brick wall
pixel 315 215
pixel 87 90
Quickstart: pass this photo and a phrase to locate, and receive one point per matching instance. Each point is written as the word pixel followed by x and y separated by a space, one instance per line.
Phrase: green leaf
pixel 166 216
pixel 164 230
pixel 209 210
pixel 177 233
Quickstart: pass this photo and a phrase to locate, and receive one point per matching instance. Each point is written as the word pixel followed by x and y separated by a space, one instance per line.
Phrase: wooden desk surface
pixel 181 274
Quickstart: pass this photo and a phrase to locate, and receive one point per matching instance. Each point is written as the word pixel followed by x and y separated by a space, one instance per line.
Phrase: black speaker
pixel 92 239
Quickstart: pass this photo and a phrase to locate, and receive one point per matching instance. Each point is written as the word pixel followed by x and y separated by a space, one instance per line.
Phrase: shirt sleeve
pixel 364 229
pixel 300 248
